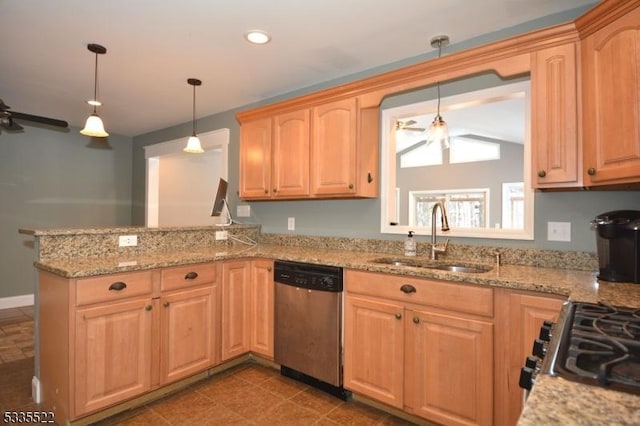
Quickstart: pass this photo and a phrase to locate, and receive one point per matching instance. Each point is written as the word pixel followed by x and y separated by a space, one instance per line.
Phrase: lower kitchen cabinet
pixel 187 318
pixel 109 338
pixel 519 316
pixel 420 345
pixel 112 353
pixel 261 310
pixel 247 308
pixel 374 349
pixel 449 368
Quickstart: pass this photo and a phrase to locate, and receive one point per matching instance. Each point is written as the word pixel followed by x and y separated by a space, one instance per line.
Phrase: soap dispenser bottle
pixel 410 245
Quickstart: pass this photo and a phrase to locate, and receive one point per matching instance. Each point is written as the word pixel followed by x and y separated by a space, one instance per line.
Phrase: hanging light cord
pixel 438 85
pixel 95 85
pixel 194 110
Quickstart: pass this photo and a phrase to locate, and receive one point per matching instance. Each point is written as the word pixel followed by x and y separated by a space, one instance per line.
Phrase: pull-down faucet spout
pixel 445 227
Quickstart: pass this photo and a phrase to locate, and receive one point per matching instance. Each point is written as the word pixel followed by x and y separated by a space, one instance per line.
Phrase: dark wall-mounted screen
pixel 220 200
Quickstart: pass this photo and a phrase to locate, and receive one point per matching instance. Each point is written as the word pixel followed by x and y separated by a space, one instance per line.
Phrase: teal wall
pixel 361 218
pixel 53 178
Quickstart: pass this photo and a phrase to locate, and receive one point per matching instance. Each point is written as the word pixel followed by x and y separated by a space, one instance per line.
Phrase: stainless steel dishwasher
pixel 308 324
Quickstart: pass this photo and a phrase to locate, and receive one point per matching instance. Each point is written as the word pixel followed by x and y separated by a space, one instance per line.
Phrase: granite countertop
pixel 553 399
pixel 576 285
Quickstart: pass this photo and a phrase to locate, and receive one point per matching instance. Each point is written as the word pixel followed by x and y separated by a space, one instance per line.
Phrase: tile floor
pixel 248 394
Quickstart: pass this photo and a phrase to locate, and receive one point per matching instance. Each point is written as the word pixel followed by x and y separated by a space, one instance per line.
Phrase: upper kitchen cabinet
pixel 328 150
pixel 611 93
pixel 554 110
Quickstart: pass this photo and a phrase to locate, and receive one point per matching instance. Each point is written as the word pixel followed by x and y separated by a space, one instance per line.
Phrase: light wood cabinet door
pixel 112 353
pixel 187 333
pixel 374 349
pixel 556 153
pixel 449 368
pixel 522 316
pixel 236 279
pixel 255 159
pixel 333 148
pixel 290 172
pixel 611 107
pixel 262 307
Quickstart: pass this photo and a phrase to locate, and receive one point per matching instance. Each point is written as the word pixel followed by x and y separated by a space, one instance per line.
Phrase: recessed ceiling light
pixel 257 37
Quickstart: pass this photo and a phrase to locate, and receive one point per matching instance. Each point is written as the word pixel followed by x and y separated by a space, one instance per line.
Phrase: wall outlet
pixel 559 231
pixel 128 240
pixel 291 224
pixel 221 235
pixel 243 210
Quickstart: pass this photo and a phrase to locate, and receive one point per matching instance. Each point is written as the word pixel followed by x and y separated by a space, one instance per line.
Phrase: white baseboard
pixel 16 301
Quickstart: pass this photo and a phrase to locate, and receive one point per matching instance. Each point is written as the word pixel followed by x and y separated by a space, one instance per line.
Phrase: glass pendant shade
pixel 193 145
pixel 94 127
pixel 438 133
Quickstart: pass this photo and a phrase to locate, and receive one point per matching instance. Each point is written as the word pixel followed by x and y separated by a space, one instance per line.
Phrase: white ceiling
pixel 154 46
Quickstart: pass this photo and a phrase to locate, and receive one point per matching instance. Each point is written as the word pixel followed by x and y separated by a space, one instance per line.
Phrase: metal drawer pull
pixel 398 315
pixel 408 288
pixel 191 276
pixel 148 308
pixel 165 304
pixel 117 286
pixel 416 320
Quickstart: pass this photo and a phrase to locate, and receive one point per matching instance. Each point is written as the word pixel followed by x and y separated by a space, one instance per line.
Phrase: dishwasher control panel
pixel 308 275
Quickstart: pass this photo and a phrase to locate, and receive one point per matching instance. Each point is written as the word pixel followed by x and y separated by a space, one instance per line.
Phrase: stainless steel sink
pixel 430 264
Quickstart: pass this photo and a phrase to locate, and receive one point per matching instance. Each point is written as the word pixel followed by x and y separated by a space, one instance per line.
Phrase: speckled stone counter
pixel 553 401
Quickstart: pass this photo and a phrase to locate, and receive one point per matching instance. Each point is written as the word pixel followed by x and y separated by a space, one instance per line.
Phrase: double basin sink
pixel 433 264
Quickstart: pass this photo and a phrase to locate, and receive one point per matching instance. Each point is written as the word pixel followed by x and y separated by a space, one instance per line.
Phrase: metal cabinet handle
pixel 350 186
pixel 369 177
pixel 269 269
pixel 408 288
pixel 416 320
pixel 398 315
pixel 542 173
pixel 117 286
pixel 591 171
pixel 148 308
pixel 191 276
pixel 166 304
pixel 275 190
pixel 266 191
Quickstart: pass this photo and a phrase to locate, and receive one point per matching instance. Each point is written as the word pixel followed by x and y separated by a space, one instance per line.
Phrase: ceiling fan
pixel 7 119
pixel 406 125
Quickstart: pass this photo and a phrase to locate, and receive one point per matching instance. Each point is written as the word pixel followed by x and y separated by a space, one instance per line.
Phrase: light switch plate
pixel 243 210
pixel 559 231
pixel 291 224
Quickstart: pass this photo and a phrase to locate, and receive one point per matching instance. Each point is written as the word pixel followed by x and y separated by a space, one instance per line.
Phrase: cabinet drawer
pixel 460 297
pixel 186 276
pixel 113 287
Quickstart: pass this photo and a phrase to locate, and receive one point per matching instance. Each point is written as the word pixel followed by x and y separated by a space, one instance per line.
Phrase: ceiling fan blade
pixel 8 124
pixel 38 119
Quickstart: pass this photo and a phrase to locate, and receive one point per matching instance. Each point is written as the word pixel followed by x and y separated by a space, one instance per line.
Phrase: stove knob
pixel 547 323
pixel 545 333
pixel 539 348
pixel 531 362
pixel 527 378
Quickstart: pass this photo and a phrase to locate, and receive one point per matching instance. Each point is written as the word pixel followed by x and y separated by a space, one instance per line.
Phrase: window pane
pixel 465 150
pixel 422 155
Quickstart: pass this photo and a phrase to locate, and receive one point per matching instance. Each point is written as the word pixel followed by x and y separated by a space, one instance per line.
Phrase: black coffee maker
pixel 618 242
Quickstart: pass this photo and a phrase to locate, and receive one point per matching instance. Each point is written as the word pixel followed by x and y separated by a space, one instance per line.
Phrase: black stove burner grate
pixel 601 346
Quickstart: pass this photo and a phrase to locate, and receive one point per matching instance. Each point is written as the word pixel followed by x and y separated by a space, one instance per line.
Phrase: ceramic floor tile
pixel 288 413
pixel 284 387
pixel 316 400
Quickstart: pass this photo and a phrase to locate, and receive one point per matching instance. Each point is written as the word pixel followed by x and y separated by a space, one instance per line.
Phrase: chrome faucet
pixel 445 227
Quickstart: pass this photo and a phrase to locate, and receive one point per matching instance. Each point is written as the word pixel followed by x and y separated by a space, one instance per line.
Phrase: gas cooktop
pixel 600 345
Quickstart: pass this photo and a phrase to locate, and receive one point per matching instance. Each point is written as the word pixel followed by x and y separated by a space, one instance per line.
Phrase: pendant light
pixel 193 144
pixel 439 131
pixel 94 126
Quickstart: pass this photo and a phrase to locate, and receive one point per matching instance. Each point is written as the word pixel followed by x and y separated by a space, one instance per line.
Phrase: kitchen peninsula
pixel 92 256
